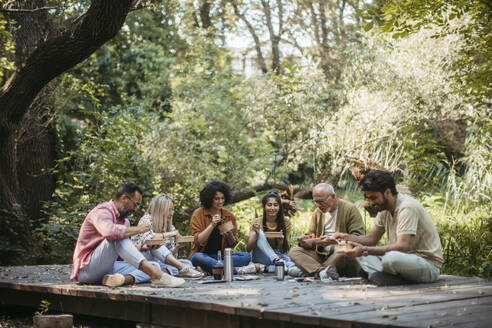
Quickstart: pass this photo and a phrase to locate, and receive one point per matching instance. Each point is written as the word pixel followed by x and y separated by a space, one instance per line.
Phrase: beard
pixel 384 206
pixel 372 210
pixel 124 212
pixel 375 209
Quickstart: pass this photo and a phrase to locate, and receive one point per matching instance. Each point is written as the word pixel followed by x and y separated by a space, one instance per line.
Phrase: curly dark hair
pixel 280 217
pixel 208 193
pixel 377 180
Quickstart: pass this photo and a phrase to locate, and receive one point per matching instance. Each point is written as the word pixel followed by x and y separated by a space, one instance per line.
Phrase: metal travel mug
pixel 228 264
pixel 280 270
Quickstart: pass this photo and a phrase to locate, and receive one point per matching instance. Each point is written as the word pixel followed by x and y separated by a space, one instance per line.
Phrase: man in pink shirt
pixel 104 235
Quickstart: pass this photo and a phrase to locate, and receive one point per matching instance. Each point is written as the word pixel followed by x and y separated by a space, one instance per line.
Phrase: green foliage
pixel 424 156
pixel 109 154
pixel 6 49
pixel 466 236
pixel 405 17
pixel 44 307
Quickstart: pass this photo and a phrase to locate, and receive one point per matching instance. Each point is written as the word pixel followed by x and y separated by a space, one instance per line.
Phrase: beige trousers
pixel 410 266
pixel 312 263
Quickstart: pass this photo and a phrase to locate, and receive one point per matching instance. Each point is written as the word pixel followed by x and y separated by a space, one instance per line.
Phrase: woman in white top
pixel 160 214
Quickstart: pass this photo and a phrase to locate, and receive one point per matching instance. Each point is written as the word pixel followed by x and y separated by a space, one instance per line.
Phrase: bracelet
pixel 365 251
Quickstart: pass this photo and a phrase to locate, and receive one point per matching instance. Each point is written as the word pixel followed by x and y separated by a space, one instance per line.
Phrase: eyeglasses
pixel 321 201
pixel 136 204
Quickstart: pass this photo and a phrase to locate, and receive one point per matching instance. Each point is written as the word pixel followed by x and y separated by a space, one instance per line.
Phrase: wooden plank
pixel 226 226
pixel 407 314
pixel 274 234
pixel 185 239
pixel 451 312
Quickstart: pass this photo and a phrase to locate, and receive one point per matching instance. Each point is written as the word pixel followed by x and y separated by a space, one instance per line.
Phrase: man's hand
pixel 355 251
pixel 340 236
pixel 325 241
pixel 303 237
pixel 302 241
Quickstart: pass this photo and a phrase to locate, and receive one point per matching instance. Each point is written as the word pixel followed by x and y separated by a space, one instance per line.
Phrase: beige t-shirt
pixel 412 219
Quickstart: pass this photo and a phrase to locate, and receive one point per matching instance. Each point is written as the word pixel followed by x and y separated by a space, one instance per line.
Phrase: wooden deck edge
pixel 156 310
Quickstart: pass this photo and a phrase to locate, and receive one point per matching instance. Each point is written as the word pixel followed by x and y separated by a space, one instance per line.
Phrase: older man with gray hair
pixel 315 254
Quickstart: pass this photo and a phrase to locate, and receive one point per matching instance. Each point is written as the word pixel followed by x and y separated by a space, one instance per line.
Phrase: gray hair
pixel 325 187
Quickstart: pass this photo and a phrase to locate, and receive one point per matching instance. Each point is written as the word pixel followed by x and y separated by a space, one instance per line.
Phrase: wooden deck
pixel 450 302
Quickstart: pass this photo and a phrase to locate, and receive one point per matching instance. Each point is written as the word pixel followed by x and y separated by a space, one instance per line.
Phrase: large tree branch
pixel 259 53
pixel 75 43
pixel 251 192
pixel 274 38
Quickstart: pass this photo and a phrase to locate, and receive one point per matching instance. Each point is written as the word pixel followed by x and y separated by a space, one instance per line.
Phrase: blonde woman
pixel 159 215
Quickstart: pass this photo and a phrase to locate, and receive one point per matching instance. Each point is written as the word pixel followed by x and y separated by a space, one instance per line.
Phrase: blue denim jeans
pixel 155 256
pixel 104 257
pixel 264 254
pixel 208 261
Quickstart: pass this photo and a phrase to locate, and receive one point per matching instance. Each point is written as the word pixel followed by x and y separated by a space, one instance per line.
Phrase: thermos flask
pixel 279 270
pixel 228 264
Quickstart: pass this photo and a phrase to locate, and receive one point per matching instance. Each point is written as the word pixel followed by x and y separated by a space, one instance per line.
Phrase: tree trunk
pixel 27 135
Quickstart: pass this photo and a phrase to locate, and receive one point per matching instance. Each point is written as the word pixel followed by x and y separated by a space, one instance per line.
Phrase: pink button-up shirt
pixel 102 222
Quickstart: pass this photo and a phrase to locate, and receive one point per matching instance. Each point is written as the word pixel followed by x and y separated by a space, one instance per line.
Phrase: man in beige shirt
pixel 414 251
pixel 316 256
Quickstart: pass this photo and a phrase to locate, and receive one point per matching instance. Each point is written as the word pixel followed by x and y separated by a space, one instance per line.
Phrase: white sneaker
pixel 250 268
pixel 113 280
pixel 190 272
pixel 168 281
pixel 328 273
pixel 295 271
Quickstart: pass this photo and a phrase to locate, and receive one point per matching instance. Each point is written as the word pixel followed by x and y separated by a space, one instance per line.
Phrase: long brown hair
pixel 279 219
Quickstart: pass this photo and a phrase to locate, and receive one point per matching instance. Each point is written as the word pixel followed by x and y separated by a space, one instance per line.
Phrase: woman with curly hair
pixel 267 251
pixel 204 226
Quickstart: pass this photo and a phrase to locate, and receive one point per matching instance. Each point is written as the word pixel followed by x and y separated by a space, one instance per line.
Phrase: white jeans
pixel 410 266
pixel 104 257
